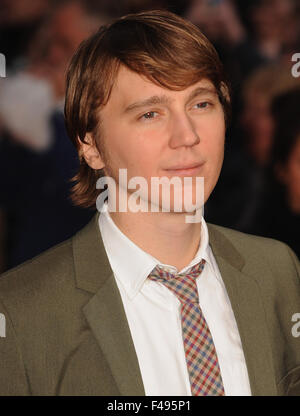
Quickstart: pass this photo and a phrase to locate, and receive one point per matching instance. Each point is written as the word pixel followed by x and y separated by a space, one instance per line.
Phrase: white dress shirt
pixel 153 314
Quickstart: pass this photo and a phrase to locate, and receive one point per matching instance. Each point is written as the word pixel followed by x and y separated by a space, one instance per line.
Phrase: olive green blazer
pixel 67 332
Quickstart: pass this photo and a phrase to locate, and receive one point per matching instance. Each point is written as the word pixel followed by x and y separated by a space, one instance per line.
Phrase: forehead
pixel 130 87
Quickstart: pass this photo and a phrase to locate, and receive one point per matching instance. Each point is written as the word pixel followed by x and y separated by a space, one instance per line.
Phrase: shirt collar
pixel 132 265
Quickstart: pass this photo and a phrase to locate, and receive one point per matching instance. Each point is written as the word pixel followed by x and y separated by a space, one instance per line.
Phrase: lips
pixel 186 169
pixel 186 166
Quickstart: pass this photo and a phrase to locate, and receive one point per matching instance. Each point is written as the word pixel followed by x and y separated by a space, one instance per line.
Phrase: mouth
pixel 185 170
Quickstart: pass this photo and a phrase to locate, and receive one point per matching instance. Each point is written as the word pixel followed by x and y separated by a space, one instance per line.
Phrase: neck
pixel 165 236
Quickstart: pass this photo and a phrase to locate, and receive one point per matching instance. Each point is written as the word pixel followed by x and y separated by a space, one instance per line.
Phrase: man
pixel 144 301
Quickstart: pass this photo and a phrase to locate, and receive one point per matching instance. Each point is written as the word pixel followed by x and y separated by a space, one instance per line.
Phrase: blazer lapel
pixel 104 312
pixel 247 305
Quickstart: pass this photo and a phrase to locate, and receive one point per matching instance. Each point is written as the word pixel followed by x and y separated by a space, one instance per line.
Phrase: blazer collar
pixel 107 319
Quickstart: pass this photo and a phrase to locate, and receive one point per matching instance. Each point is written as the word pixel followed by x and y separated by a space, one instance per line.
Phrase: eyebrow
pixel 164 99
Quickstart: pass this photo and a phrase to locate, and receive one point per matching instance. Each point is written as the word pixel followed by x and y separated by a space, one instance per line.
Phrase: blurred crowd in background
pixel 259 188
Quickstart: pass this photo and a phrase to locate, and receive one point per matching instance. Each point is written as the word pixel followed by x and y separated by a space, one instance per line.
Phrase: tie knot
pixel 183 285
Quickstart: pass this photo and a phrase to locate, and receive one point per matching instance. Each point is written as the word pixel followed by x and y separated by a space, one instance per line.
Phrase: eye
pixel 149 115
pixel 203 104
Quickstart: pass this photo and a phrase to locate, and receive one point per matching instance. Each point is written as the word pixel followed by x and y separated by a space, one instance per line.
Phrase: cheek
pixel 214 142
pixel 213 149
pixel 140 157
pixel 122 152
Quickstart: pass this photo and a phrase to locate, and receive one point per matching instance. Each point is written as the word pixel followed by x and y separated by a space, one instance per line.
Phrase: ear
pixel 90 153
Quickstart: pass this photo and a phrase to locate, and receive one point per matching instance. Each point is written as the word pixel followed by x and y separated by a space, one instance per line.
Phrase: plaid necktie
pixel 200 353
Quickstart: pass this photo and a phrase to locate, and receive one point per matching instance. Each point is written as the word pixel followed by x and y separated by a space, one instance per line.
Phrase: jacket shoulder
pixel 48 272
pixel 249 243
pixel 255 252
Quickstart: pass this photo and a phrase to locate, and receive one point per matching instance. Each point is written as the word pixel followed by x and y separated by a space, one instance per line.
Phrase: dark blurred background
pixel 259 188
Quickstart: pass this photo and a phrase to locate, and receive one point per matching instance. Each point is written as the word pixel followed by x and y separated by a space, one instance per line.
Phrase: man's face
pixel 153 132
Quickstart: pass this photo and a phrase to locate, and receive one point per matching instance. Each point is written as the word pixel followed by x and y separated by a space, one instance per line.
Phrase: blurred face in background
pixel 271 16
pixel 58 40
pixel 15 12
pixel 207 15
pixel 69 28
pixel 258 125
pixel 290 177
pixel 271 12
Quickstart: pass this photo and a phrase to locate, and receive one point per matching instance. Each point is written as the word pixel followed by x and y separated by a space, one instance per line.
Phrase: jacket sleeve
pixel 13 380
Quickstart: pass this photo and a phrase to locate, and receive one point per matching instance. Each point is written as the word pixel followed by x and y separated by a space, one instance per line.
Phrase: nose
pixel 183 132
